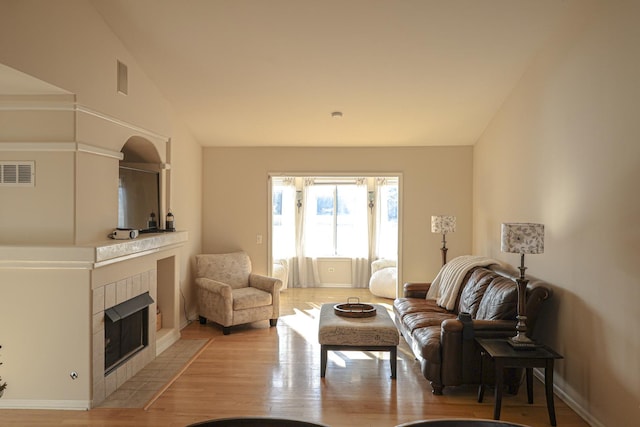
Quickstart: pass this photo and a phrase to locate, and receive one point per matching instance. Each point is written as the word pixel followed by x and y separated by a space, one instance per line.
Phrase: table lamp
pixel 443 224
pixel 522 238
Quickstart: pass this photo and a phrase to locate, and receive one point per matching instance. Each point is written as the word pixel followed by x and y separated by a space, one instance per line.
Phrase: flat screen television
pixel 138 197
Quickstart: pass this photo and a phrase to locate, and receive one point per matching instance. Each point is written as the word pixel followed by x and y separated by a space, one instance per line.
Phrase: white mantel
pixel 88 256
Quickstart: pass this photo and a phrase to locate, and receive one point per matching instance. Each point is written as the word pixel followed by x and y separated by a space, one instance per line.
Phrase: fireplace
pixel 126 330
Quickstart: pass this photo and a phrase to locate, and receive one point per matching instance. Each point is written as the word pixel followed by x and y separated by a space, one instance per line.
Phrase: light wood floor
pixel 262 371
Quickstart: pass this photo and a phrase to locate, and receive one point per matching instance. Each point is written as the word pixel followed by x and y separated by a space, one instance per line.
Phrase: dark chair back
pixel 255 422
pixel 459 423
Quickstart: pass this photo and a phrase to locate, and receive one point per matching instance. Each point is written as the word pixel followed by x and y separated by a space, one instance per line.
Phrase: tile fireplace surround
pixel 105 297
pixel 107 273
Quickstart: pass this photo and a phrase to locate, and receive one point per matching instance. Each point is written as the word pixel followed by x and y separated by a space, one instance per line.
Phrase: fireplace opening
pixel 126 331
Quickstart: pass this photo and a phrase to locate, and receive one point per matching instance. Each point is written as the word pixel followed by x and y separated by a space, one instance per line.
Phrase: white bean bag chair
pixel 281 271
pixel 384 277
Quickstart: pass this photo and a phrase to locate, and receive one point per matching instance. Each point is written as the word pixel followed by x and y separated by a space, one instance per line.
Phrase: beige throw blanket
pixel 446 285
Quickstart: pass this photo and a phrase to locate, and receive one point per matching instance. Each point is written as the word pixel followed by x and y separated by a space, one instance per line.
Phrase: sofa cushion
pixel 474 289
pixel 415 321
pixel 404 306
pixel 500 300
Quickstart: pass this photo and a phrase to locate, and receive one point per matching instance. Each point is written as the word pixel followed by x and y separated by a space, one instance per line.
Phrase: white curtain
pixel 360 258
pixel 374 220
pixel 283 246
pixel 307 274
pixel 385 229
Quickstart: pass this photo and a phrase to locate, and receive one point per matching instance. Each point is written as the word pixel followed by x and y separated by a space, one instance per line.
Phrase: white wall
pixel 66 43
pixel 186 205
pixel 46 211
pixel 45 328
pixel 435 180
pixel 564 151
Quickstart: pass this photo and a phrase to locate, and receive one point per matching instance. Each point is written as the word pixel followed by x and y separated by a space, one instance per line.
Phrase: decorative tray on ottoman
pixel 354 309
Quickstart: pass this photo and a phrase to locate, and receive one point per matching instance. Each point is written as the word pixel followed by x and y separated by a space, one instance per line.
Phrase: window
pixel 325 217
pixel 334 219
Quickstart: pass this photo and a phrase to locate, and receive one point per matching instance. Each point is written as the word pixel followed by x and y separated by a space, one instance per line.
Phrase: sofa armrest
pixel 494 328
pixel 416 290
pixel 537 294
pixel 451 335
pixel 215 301
pixel 214 287
pixel 264 283
pixel 458 355
pixel 270 285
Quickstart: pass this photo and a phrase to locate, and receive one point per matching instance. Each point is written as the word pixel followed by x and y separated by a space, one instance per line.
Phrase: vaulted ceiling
pixel 271 72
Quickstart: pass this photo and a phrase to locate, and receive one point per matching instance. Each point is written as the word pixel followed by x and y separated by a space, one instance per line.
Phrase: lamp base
pixel 444 255
pixel 522 343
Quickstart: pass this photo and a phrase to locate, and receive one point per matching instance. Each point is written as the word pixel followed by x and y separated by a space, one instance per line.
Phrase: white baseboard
pixel 73 405
pixel 571 403
pixel 335 285
pixel 165 340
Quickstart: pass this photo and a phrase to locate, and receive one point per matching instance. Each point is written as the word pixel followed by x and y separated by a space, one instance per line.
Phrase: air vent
pixel 123 78
pixel 17 174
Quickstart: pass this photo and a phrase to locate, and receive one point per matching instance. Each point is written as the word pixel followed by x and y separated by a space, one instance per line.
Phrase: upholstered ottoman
pixel 338 333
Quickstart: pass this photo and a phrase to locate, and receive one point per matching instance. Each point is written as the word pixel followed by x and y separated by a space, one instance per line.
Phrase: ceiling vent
pixel 17 174
pixel 123 78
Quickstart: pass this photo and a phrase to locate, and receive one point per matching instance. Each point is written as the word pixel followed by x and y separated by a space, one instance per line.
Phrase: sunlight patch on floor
pixel 305 323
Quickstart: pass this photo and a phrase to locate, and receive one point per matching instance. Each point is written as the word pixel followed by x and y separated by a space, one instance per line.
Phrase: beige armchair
pixel 230 294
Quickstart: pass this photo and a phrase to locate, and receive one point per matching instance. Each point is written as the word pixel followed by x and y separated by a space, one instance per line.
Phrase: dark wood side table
pixel 505 356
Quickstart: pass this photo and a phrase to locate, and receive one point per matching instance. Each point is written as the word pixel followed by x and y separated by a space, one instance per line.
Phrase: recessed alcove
pixel 141 185
pixel 166 300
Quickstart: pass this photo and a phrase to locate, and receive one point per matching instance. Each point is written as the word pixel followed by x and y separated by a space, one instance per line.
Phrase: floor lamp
pixel 522 238
pixel 443 224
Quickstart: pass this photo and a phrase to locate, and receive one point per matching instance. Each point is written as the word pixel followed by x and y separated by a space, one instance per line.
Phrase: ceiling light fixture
pixel 336 114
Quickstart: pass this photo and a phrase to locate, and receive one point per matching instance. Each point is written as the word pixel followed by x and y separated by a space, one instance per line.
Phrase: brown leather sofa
pixel 443 340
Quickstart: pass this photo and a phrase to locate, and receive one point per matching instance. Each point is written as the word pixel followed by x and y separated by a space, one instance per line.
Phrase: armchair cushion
pixel 250 297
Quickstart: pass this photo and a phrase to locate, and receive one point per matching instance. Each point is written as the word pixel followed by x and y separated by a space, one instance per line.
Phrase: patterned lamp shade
pixel 522 238
pixel 443 224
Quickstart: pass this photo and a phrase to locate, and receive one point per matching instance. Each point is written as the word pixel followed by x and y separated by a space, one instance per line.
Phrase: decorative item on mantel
pixel 522 238
pixel 152 223
pixel 443 224
pixel 170 224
